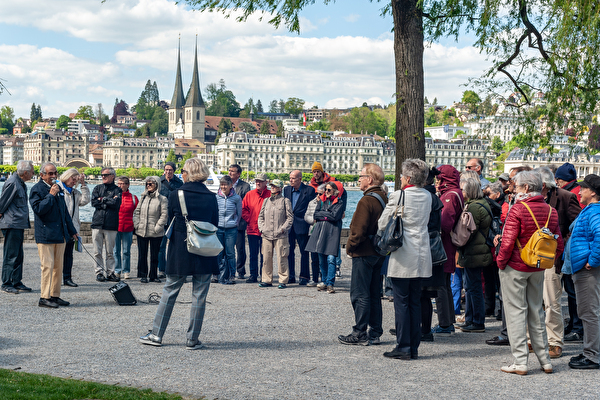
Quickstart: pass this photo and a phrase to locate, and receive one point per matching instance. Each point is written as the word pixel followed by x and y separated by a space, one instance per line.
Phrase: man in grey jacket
pixel 274 222
pixel 14 219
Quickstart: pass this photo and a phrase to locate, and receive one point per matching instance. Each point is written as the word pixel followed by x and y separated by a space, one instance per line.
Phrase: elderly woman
pixel 74 199
pixel 325 237
pixel 522 286
pixel 412 262
pixel 474 256
pixel 585 264
pixel 201 205
pixel 149 219
pixel 448 187
pixel 230 214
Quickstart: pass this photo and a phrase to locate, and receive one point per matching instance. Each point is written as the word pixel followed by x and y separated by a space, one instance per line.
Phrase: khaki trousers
pixel 282 248
pixel 555 327
pixel 522 296
pixel 51 260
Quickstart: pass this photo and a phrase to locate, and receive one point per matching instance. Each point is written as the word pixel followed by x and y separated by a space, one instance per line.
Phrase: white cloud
pixel 352 17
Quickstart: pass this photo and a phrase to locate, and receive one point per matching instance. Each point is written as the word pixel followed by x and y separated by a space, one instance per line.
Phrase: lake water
pixel 86 212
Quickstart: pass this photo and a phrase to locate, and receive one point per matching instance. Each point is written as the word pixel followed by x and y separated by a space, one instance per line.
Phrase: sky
pixel 62 54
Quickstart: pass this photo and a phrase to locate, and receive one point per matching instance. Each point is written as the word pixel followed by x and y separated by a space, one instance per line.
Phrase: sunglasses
pixel 52 173
pixel 329 190
pixel 149 183
pixel 183 171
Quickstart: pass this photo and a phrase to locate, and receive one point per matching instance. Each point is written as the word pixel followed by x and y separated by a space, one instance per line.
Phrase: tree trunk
pixel 410 92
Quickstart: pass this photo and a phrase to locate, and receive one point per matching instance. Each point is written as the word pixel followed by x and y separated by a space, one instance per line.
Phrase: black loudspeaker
pixel 122 294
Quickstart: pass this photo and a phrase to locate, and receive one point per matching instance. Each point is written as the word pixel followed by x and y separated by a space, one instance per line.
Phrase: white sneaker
pixel 311 284
pixel 126 275
pixel 321 286
pixel 547 368
pixel 516 369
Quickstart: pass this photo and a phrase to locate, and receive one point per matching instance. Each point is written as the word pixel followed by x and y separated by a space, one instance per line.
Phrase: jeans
pixel 12 266
pixel 68 260
pixel 201 284
pixel 162 255
pixel 365 292
pixel 327 266
pixel 227 237
pixel 123 240
pixel 474 303
pixel 457 285
pixel 407 311
pixel 240 246
pixel 255 246
pixel 304 257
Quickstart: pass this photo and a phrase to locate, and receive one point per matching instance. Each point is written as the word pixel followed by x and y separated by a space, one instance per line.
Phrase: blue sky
pixel 66 53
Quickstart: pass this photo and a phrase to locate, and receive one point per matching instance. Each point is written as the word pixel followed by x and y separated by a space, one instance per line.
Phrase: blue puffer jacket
pixel 230 209
pixel 585 239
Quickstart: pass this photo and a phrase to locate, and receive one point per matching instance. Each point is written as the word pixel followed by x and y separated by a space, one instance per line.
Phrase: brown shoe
pixel 530 348
pixel 555 351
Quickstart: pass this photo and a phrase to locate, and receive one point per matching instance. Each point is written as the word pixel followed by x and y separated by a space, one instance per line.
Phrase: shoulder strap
pixel 378 197
pixel 182 204
pixel 533 216
pixel 462 204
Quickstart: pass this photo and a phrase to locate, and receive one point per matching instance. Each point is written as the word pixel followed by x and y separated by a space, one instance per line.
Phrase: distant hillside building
pixel 64 150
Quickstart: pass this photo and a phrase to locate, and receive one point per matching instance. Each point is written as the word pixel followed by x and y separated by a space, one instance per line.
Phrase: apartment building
pixel 55 146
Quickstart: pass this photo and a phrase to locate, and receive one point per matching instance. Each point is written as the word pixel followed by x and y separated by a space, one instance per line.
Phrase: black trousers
pixel 575 324
pixel 407 310
pixel 68 260
pixel 240 247
pixel 445 303
pixel 490 276
pixel 301 240
pixel 12 265
pixel 365 296
pixel 143 243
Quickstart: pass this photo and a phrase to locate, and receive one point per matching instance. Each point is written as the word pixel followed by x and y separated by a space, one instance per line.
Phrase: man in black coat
pixel 53 228
pixel 299 195
pixel 106 199
pixel 169 183
pixel 240 188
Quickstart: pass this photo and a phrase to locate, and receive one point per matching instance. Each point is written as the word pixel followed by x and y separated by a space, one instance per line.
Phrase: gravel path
pixel 260 344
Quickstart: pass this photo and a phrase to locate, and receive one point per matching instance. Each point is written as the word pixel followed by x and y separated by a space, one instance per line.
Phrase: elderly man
pixel 365 284
pixel 168 183
pixel 274 221
pixel 53 228
pixel 14 219
pixel 106 199
pixel 566 178
pixel 241 188
pixel 567 206
pixel 299 195
pixel 251 206
pixel 476 165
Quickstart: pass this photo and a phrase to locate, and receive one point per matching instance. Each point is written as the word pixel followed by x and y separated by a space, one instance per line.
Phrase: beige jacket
pixel 150 215
pixel 275 218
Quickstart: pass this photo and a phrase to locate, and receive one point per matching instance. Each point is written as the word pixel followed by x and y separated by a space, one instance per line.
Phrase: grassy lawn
pixel 21 385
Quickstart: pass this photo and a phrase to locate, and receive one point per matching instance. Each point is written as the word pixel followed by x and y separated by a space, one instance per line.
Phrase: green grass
pixel 21 385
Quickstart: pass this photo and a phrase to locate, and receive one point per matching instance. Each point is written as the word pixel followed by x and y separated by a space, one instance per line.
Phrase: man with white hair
pixel 568 208
pixel 14 219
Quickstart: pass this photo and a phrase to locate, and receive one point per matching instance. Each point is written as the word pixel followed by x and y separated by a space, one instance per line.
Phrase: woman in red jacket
pixel 522 286
pixel 122 251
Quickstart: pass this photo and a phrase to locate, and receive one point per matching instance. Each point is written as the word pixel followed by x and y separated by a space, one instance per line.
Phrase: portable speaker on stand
pixel 122 294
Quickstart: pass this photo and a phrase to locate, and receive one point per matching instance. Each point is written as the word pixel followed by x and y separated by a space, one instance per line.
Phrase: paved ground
pixel 260 344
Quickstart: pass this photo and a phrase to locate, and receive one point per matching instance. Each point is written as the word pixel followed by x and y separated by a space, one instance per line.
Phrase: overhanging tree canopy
pixel 547 46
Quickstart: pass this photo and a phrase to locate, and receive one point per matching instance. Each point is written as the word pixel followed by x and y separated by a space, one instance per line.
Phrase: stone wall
pixel 86 234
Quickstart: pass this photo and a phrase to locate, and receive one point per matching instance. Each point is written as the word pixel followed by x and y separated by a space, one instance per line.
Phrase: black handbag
pixel 438 254
pixel 392 237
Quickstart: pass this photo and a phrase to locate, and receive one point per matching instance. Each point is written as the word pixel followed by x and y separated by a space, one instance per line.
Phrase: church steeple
pixel 194 97
pixel 178 100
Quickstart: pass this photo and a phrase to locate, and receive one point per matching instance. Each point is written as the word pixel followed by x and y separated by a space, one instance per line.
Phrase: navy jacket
pixel 166 187
pixel 53 223
pixel 307 193
pixel 13 204
pixel 201 205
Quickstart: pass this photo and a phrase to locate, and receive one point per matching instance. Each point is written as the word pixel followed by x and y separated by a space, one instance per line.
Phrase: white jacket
pixel 79 198
pixel 413 259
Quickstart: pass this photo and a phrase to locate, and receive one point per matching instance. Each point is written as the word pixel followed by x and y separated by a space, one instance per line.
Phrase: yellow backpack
pixel 540 250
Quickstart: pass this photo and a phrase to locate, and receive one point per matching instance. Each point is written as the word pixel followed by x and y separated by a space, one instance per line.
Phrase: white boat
pixel 213 181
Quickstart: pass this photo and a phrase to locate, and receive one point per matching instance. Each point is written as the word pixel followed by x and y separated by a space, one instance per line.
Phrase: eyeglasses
pixel 363 176
pixel 105 175
pixel 183 171
pixel 52 173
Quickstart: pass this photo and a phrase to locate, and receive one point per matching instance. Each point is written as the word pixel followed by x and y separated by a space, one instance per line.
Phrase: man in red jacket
pixel 125 230
pixel 251 206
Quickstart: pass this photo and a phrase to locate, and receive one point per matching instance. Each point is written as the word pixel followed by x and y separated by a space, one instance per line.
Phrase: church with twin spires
pixel 187 114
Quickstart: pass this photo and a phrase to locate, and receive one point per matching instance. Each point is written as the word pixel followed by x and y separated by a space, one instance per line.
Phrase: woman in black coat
pixel 201 205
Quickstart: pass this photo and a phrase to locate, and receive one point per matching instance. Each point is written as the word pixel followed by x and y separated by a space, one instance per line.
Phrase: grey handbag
pixel 201 236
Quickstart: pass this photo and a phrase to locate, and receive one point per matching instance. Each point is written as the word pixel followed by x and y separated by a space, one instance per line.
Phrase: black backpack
pixel 495 229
